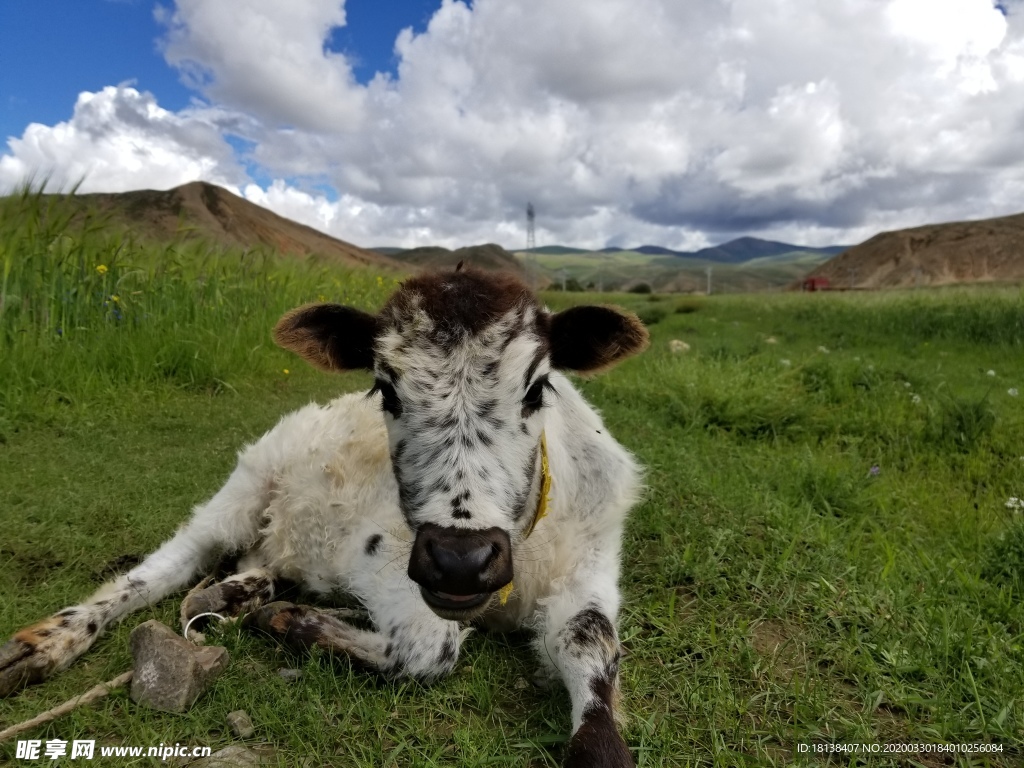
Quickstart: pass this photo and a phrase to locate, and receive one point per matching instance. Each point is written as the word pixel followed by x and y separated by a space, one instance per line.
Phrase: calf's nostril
pixel 469 560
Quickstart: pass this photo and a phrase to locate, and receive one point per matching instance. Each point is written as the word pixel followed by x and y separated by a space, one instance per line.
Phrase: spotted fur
pixel 469 373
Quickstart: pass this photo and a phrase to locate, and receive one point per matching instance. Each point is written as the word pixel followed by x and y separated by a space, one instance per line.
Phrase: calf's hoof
pixel 276 619
pixel 598 745
pixel 36 652
pixel 21 666
pixel 230 598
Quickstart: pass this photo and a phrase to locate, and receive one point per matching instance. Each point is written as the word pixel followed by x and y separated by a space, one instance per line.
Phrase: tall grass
pixel 977 315
pixel 85 307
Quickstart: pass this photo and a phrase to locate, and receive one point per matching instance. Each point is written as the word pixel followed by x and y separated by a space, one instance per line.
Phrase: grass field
pixel 622 269
pixel 827 552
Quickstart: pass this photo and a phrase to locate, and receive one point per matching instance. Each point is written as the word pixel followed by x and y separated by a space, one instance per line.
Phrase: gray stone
pixel 171 672
pixel 291 675
pixel 240 724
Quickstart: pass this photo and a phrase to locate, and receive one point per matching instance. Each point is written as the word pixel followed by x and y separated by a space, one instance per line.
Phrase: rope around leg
pixel 184 632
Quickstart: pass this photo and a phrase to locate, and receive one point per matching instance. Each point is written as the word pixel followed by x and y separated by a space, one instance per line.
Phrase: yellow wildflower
pixel 101 268
pixel 115 298
pixel 285 371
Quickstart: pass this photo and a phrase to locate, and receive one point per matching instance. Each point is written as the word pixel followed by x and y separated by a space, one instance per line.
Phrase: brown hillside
pixel 989 250
pixel 211 213
pixel 489 256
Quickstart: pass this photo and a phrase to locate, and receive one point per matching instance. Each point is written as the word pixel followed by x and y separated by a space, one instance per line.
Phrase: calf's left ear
pixel 330 336
pixel 592 339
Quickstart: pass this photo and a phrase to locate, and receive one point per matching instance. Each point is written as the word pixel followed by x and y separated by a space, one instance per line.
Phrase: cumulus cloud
pixel 624 121
pixel 267 58
pixel 119 139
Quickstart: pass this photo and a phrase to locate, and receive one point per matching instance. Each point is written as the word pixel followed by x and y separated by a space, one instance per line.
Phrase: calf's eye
pixel 389 401
pixel 534 399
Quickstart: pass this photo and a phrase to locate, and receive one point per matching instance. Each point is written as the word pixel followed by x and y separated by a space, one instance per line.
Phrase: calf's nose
pixel 461 559
pixel 458 561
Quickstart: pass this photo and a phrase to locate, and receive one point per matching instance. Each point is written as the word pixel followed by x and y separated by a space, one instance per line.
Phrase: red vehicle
pixel 815 284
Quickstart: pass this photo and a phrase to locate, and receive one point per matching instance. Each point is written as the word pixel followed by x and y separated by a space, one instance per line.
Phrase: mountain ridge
pixel 981 250
pixel 209 212
pixel 736 251
pixel 486 256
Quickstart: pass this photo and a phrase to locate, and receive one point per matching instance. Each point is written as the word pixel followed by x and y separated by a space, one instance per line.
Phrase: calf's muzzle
pixel 458 569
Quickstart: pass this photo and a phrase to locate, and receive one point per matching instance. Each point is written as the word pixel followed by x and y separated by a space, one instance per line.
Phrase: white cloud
pixel 622 120
pixel 266 57
pixel 118 139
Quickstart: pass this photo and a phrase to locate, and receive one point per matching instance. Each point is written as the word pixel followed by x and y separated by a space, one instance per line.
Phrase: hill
pixel 746 249
pixel 488 256
pixel 657 250
pixel 987 250
pixel 211 213
pixel 620 270
pixel 738 251
pixel 557 250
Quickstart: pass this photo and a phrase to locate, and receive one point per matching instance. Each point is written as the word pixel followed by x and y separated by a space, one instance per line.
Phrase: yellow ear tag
pixel 542 505
pixel 504 592
pixel 545 485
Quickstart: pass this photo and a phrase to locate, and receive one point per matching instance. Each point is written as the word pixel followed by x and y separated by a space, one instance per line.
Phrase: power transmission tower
pixel 531 234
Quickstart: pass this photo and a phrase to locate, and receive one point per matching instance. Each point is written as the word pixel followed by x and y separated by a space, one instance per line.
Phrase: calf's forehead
pixel 465 321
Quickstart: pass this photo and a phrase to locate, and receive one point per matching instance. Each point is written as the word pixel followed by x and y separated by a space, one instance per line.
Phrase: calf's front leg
pixel 580 640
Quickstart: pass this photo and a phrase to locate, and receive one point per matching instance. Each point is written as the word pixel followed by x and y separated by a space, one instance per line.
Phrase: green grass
pixel 824 552
pixel 671 273
pixel 86 313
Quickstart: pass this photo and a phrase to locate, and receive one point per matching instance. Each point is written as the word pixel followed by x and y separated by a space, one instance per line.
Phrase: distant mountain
pixel 488 256
pixel 387 250
pixel 988 250
pixel 615 271
pixel 555 250
pixel 746 248
pixel 213 214
pixel 657 250
pixel 736 251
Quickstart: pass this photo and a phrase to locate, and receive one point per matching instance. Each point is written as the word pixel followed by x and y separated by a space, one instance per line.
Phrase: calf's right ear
pixel 330 336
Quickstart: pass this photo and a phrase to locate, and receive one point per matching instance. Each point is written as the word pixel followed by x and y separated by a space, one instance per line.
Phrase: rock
pixel 171 672
pixel 677 346
pixel 290 675
pixel 240 724
pixel 521 684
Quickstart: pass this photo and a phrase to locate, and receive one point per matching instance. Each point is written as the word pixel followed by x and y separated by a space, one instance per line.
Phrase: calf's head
pixel 462 363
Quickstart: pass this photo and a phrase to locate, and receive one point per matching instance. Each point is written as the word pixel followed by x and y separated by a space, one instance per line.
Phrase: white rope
pixel 184 632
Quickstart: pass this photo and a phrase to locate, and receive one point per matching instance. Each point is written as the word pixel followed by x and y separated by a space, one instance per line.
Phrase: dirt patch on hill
pixel 206 212
pixel 990 250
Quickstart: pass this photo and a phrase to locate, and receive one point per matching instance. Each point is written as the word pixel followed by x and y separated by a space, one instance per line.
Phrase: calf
pixel 473 484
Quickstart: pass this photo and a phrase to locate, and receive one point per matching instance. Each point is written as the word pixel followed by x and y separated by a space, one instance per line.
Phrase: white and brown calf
pixel 473 485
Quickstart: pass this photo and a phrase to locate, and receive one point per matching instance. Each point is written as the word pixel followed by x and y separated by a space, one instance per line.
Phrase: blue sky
pixel 624 121
pixel 52 51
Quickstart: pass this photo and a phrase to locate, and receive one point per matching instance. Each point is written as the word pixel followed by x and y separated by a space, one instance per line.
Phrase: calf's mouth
pixel 459 570
pixel 456 607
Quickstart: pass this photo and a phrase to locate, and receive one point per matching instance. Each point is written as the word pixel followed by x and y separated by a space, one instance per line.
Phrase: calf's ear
pixel 591 339
pixel 330 336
